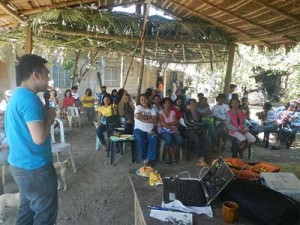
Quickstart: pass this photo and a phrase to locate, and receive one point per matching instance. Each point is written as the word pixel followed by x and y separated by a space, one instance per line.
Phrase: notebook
pixel 198 192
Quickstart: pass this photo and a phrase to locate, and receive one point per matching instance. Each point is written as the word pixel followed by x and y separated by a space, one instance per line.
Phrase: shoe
pixel 146 162
pixel 168 163
pixel 203 164
pixel 174 162
pixel 274 147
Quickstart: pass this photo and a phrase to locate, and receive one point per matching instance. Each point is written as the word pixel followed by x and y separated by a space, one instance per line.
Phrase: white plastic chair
pixel 62 145
pixel 73 116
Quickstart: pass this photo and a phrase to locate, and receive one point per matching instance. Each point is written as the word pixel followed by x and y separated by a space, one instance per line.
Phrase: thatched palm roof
pixel 201 34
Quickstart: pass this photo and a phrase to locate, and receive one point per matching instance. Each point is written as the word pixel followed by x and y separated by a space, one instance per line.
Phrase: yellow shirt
pixel 106 111
pixel 87 101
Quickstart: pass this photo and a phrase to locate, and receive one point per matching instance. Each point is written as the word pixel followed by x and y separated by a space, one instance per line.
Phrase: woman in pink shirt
pixel 236 126
pixel 167 130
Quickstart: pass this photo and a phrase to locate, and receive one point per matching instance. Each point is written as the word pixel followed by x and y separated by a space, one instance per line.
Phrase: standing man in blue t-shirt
pixel 27 125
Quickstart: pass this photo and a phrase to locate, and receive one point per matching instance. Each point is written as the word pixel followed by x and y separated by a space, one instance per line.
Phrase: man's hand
pixel 50 115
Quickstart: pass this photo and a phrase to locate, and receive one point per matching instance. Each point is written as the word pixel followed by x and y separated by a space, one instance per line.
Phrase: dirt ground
pixel 100 193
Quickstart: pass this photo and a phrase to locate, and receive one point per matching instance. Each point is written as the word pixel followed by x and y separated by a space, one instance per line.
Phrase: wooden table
pixel 145 195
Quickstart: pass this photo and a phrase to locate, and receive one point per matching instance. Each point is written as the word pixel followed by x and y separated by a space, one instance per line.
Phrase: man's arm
pixel 40 130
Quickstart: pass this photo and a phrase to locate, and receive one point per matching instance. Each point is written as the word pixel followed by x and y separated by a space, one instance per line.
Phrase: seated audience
pixel 236 126
pixel 76 96
pixel 4 150
pixel 105 110
pixel 204 110
pixel 53 99
pixel 195 131
pixel 145 117
pixel 156 103
pixel 269 124
pixel 88 102
pixel 99 96
pixel 167 130
pixel 114 93
pixel 128 114
pixel 219 112
pixel 4 102
pixel 68 101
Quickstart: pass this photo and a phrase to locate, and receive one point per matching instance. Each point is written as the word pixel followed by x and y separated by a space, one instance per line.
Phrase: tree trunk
pixel 229 69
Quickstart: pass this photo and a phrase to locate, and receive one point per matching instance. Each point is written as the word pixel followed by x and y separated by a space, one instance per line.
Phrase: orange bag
pixel 242 169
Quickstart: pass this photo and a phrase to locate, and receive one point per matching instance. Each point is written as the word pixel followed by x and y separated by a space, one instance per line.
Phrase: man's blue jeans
pixel 38 195
pixel 146 144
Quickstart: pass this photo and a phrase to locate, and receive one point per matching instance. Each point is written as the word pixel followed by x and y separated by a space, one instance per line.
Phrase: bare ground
pixel 101 193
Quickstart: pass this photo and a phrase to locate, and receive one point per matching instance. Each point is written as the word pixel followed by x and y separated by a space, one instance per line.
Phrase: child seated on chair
pixel 219 112
pixel 269 119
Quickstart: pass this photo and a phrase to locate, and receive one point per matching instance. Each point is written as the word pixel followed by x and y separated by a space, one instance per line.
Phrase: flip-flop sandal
pixel 203 164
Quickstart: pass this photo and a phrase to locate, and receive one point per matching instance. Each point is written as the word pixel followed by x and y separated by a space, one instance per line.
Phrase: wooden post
pixel 141 67
pixel 229 69
pixel 28 40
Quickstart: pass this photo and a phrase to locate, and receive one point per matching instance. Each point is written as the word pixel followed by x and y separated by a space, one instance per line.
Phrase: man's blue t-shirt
pixel 25 107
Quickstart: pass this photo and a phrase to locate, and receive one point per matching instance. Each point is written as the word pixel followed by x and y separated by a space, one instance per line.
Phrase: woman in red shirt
pixel 68 101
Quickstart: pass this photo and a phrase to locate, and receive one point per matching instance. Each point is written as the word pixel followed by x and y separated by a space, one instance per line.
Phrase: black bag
pixel 114 123
pixel 261 204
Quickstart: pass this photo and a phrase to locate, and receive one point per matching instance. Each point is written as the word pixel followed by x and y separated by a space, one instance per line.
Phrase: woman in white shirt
pixel 145 117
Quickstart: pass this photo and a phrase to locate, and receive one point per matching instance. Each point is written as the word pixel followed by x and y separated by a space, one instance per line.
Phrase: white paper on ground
pixel 177 205
pixel 178 218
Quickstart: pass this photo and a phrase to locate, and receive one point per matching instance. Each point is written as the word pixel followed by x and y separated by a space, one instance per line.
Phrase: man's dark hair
pixel 27 64
pixel 74 87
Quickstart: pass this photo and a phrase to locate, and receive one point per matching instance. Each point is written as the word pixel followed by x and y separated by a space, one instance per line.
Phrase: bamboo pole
pixel 99 36
pixel 229 69
pixel 141 67
pixel 28 40
pixel 11 13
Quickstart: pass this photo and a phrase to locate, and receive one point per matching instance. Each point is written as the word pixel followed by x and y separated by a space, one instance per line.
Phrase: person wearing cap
pixel 4 102
pixel 27 127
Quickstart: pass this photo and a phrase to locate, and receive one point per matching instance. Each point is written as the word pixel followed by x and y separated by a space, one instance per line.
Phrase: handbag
pixel 242 169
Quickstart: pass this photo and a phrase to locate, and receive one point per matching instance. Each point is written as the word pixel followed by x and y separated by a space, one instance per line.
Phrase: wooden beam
pixel 216 21
pixel 11 13
pixel 71 3
pixel 229 69
pixel 237 16
pixel 295 19
pixel 132 39
pixel 286 32
pixel 28 40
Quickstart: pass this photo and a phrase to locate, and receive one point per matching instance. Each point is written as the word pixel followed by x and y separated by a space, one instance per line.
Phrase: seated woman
pixel 195 131
pixel 156 102
pixel 88 102
pixel 208 120
pixel 67 101
pixel 146 139
pixel 114 93
pixel 167 130
pixel 53 101
pixel 105 110
pixel 236 126
pixel 127 113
